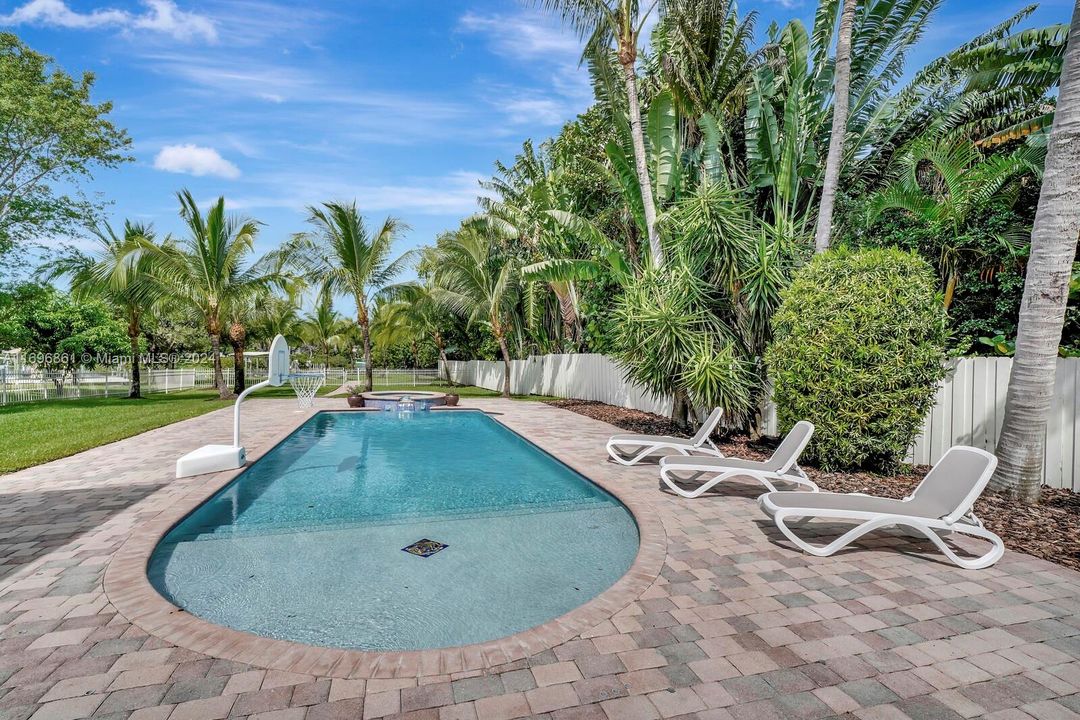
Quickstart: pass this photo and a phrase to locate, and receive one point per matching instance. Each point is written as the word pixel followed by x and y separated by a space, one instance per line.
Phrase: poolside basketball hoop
pixel 215 458
pixel 305 385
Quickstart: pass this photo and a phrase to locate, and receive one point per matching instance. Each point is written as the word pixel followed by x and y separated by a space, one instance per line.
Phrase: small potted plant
pixel 452 398
pixel 355 397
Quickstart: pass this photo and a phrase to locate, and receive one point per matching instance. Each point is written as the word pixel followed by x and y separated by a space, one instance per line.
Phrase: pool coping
pixel 128 588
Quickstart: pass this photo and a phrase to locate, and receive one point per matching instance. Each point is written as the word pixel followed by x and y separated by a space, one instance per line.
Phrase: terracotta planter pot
pixel 452 399
pixel 355 401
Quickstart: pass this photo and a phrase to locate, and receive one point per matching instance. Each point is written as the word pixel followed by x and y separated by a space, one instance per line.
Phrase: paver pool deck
pixel 722 619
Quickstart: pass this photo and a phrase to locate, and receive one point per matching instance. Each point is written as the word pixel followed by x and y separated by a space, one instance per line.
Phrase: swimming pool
pixel 309 544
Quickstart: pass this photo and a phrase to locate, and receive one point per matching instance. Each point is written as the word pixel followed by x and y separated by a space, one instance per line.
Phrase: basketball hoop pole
pixel 236 411
pixel 216 458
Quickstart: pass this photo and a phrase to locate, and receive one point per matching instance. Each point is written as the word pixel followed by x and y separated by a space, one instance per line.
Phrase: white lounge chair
pixel 941 503
pixel 632 449
pixel 783 466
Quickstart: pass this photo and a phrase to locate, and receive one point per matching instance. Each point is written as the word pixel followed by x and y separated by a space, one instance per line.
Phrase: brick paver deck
pixel 736 625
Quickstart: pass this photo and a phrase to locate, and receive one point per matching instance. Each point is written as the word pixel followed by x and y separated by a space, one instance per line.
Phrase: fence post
pixel 166 381
pixel 106 381
pixel 3 386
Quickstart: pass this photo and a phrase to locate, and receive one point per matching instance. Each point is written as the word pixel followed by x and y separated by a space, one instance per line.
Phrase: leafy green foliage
pixel 670 342
pixel 59 333
pixel 52 135
pixel 858 348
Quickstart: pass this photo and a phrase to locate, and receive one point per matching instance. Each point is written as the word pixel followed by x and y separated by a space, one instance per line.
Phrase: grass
pixel 37 432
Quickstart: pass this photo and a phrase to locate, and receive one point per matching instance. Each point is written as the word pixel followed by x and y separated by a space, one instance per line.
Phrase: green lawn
pixel 37 432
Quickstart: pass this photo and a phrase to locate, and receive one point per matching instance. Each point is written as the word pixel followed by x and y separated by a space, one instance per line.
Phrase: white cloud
pixel 163 16
pixel 453 194
pixel 195 160
pixel 160 16
pixel 525 36
pixel 536 110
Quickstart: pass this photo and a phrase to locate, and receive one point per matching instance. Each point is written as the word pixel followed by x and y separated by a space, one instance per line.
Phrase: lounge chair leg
pixel 701 489
pixel 977 563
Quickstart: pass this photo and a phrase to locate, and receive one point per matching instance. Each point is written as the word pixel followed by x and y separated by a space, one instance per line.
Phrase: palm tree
pixel 1022 446
pixel 324 327
pixel 351 260
pixel 240 313
pixel 841 100
pixel 110 275
pixel 415 312
pixel 525 196
pixel 206 272
pixel 477 281
pixel 618 23
pixel 944 182
pixel 276 315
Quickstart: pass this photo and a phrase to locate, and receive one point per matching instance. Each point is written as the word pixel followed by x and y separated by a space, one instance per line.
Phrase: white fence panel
pixel 580 376
pixel 969 408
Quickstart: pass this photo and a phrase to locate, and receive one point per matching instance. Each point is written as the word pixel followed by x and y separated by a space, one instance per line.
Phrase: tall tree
pixel 414 311
pixel 945 184
pixel 109 275
pixel 51 136
pixel 476 280
pixel 841 101
pixel 618 23
pixel 206 269
pixel 324 327
pixel 352 260
pixel 526 195
pixel 1022 446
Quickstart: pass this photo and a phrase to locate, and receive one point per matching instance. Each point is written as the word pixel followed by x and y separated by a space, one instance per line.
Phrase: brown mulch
pixel 1048 530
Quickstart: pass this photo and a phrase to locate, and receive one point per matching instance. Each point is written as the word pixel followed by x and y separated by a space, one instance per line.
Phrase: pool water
pixel 306 544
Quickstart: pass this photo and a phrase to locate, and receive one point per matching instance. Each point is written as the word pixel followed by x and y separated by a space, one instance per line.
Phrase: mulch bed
pixel 1048 530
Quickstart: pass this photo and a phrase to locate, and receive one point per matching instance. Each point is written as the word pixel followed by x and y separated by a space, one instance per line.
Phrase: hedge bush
pixel 858 349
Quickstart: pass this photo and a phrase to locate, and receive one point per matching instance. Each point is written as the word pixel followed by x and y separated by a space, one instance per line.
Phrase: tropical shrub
pixel 669 341
pixel 858 347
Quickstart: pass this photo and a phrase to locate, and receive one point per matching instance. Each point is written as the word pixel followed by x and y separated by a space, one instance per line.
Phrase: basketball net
pixel 306 385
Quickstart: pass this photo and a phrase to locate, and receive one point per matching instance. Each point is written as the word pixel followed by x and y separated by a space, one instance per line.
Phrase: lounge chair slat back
pixel 788 451
pixel 707 427
pixel 955 482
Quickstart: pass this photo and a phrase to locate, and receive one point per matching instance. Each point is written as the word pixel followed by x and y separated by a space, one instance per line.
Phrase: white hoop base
pixel 210 459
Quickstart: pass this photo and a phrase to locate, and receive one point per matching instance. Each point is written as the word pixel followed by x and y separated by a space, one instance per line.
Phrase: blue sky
pixel 401 104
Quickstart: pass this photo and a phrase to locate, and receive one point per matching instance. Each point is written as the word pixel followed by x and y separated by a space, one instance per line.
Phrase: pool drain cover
pixel 424 548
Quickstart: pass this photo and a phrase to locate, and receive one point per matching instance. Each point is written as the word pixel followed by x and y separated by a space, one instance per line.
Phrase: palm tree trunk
pixel 442 358
pixel 215 352
pixel 506 365
pixel 239 381
pixel 841 102
pixel 640 161
pixel 238 339
pixel 135 391
pixel 1022 446
pixel 567 311
pixel 680 409
pixel 365 331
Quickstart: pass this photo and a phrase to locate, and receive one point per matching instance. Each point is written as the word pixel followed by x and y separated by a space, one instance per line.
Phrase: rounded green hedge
pixel 858 349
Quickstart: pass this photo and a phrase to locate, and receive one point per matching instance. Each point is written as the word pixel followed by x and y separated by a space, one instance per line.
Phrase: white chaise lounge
pixel 783 466
pixel 941 503
pixel 632 449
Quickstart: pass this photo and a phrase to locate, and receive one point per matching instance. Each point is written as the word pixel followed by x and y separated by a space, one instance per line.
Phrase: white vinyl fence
pixel 969 409
pixel 581 376
pixel 30 385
